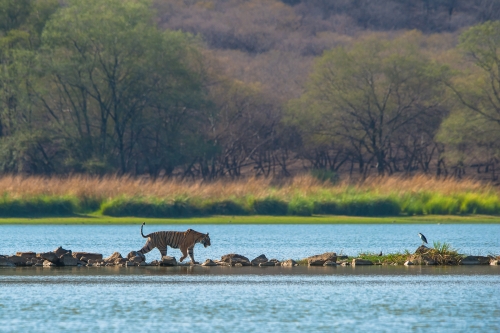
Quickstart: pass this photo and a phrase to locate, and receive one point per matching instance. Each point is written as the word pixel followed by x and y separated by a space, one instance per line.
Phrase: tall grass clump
pixel 301 195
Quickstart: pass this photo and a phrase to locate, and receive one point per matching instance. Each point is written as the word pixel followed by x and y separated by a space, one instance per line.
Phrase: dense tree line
pixel 207 89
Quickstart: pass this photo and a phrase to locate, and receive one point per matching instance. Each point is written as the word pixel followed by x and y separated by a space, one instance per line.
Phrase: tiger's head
pixel 205 240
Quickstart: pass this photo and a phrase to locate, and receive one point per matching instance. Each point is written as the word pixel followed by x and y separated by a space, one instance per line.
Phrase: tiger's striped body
pixel 185 241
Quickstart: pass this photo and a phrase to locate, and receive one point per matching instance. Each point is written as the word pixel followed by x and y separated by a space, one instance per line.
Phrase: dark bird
pixel 422 237
pixel 380 254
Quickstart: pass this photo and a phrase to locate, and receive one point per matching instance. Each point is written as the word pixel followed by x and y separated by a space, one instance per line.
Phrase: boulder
pixel 275 261
pixel 422 249
pixel 49 256
pixel 48 263
pixel 238 264
pixel 4 262
pixel 68 260
pixel 289 263
pixel 60 251
pixel 475 260
pixel 260 259
pixel 267 263
pixel 234 259
pixel 330 263
pixel 136 259
pixel 320 259
pixel 28 255
pixel 361 262
pixel 209 262
pixel 120 261
pixel 136 254
pixel 345 263
pixel 408 263
pixel 168 261
pixel 494 262
pixel 113 257
pixel 154 263
pixel 87 256
pixel 18 260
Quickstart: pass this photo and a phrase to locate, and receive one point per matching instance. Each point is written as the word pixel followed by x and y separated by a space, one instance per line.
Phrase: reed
pixel 301 196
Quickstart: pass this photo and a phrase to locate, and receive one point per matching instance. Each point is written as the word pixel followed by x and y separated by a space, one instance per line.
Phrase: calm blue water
pixel 252 299
pixel 275 241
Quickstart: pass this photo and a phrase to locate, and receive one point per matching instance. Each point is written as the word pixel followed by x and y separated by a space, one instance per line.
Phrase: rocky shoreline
pixel 61 257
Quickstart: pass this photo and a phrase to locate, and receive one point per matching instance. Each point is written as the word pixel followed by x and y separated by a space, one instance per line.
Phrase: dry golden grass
pixel 114 186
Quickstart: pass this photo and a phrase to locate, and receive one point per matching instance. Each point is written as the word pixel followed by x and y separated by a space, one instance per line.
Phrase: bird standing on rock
pixel 422 237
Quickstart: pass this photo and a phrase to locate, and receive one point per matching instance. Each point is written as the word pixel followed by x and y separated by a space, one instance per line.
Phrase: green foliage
pixel 270 206
pixel 300 206
pixel 37 206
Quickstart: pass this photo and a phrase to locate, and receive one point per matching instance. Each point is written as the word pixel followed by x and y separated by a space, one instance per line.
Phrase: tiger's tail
pixel 143 223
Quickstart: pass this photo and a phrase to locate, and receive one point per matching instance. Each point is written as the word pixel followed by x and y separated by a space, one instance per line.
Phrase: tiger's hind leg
pixel 147 247
pixel 184 254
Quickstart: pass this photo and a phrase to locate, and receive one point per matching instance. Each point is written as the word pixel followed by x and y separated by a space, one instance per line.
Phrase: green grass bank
pixel 348 204
pixel 262 219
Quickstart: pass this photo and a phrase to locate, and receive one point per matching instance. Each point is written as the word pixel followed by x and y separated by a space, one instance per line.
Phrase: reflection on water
pixel 229 299
pixel 275 241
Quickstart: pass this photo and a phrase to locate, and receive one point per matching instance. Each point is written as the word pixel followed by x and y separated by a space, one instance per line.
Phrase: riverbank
pixel 227 220
pixel 300 196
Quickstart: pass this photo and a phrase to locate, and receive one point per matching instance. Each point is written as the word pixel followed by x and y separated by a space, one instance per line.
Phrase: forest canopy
pixel 211 89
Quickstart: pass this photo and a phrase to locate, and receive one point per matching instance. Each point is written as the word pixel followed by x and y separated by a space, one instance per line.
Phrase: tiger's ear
pixel 207 233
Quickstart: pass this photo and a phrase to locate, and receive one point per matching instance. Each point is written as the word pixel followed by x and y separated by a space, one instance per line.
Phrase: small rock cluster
pixel 63 257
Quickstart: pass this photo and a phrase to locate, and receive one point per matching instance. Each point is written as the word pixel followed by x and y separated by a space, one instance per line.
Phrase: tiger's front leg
pixel 191 255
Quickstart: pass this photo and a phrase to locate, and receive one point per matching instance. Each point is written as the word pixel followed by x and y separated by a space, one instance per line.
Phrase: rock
pixel 60 251
pixel 238 264
pixel 113 257
pixel 48 263
pixel 422 249
pixel 475 260
pixel 142 263
pixel 289 263
pixel 260 259
pixel 28 255
pixel 222 263
pixel 86 256
pixel 120 261
pixel 136 259
pixel 130 263
pixel 346 264
pixel 154 263
pixel 109 264
pixel 267 263
pixel 361 262
pixel 50 256
pixel 495 262
pixel 168 261
pixel 68 260
pixel 330 263
pixel 18 260
pixel 136 254
pixel 4 262
pixel 209 262
pixel 320 259
pixel 234 259
pixel 275 261
pixel 408 263
pixel 429 262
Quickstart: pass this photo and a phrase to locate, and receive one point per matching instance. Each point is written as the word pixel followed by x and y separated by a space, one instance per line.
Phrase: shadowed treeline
pixel 227 89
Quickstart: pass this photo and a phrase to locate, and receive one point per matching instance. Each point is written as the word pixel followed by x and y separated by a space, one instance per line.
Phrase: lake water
pixel 252 299
pixel 275 241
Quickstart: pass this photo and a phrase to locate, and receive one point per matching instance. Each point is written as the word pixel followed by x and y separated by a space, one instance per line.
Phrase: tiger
pixel 175 239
